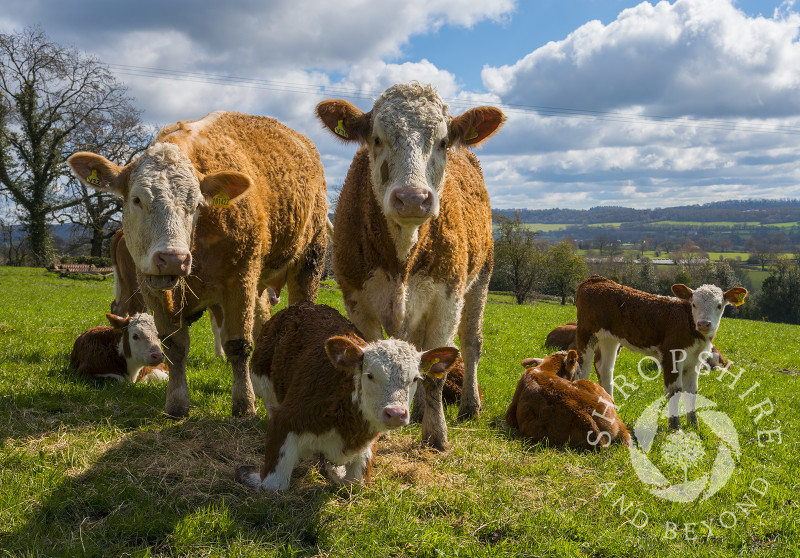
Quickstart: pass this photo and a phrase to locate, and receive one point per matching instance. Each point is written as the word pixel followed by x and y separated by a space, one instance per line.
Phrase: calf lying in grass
pixel 328 391
pixel 547 405
pixel 127 351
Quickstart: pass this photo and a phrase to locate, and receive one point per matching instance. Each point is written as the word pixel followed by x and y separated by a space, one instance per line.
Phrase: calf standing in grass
pixel 328 391
pixel 126 351
pixel 677 332
pixel 547 405
pixel 412 240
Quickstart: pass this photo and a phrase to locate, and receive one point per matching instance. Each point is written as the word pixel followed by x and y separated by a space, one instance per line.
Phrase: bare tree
pixel 120 137
pixel 49 96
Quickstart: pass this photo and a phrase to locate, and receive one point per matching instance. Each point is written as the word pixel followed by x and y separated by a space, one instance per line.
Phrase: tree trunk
pixel 563 299
pixel 97 243
pixel 39 239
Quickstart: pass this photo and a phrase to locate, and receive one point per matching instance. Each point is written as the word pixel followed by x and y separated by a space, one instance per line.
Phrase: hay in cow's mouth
pixel 163 282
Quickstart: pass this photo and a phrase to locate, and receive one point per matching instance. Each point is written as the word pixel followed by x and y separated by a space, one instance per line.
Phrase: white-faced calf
pixel 120 351
pixel 548 406
pixel 328 391
pixel 677 332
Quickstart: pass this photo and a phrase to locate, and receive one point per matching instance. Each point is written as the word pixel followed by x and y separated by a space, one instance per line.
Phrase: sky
pixel 608 102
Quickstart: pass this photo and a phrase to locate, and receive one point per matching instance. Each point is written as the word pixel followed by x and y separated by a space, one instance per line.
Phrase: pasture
pixel 95 469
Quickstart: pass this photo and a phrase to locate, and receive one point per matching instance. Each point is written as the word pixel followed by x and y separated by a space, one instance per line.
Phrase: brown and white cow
pixel 412 242
pixel 328 391
pixel 127 351
pixel 677 332
pixel 216 211
pixel 549 406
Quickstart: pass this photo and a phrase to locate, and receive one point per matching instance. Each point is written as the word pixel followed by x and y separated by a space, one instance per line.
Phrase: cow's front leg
pixel 470 332
pixel 237 331
pixel 176 347
pixel 434 426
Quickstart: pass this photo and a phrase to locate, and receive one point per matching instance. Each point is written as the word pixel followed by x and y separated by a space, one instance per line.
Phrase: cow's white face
pixel 144 342
pixel 708 304
pixel 386 374
pixel 390 374
pixel 140 344
pixel 408 134
pixel 159 213
pixel 162 193
pixel 408 153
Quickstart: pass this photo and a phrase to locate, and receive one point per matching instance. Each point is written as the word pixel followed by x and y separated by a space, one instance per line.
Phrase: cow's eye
pixel 137 201
pixel 377 141
pixel 135 336
pixel 443 144
pixel 370 376
pixel 719 306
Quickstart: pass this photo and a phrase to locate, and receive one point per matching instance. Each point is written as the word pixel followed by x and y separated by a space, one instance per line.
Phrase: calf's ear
pixel 735 295
pixel 572 358
pixel 118 322
pixel 343 353
pixel 436 362
pixel 219 188
pixel 345 120
pixel 531 362
pixel 682 291
pixel 475 125
pixel 98 172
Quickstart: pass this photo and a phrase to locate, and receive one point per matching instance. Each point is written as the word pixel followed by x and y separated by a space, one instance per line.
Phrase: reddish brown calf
pixel 548 407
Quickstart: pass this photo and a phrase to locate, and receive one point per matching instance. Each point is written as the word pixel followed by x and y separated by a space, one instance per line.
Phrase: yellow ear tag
pixel 472 135
pixel 93 178
pixel 738 299
pixel 222 200
pixel 340 129
pixel 427 368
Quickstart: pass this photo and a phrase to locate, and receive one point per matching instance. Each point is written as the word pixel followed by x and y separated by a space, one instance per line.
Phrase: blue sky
pixel 722 76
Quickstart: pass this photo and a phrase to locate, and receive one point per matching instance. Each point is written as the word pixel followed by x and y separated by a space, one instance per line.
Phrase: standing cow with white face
pixel 412 242
pixel 215 212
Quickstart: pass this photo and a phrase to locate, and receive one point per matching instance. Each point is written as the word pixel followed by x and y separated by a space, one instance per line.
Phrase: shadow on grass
pixel 172 491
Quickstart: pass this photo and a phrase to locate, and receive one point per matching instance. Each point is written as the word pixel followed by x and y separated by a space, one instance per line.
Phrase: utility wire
pixel 322 90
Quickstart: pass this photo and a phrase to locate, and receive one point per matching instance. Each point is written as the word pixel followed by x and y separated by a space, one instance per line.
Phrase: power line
pixel 322 90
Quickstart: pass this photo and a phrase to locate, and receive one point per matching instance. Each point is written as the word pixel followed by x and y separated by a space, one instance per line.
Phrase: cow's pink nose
pixel 412 202
pixel 156 356
pixel 395 416
pixel 173 263
pixel 703 325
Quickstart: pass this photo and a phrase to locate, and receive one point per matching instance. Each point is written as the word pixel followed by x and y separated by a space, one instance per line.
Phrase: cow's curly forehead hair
pixel 708 294
pixel 412 98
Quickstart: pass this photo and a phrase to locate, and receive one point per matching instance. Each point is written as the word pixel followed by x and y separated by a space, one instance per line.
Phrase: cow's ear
pixel 343 353
pixel 682 291
pixel 475 125
pixel 98 172
pixel 735 295
pixel 531 362
pixel 118 322
pixel 345 120
pixel 436 362
pixel 219 188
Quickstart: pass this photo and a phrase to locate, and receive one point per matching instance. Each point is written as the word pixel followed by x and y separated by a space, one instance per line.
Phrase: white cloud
pixel 702 58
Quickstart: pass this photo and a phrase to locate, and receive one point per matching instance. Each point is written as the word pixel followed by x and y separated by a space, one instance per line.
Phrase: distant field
pixel 548 227
pixel 96 469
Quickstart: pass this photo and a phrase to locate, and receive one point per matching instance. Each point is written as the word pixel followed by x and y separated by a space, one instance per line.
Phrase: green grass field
pixel 94 469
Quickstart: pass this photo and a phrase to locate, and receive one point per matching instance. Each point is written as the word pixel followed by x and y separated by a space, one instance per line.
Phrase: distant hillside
pixel 736 211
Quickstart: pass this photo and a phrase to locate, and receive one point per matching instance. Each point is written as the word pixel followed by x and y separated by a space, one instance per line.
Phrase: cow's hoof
pixel 468 412
pixel 675 423
pixel 244 408
pixel 435 442
pixel 691 418
pixel 176 411
pixel 248 475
